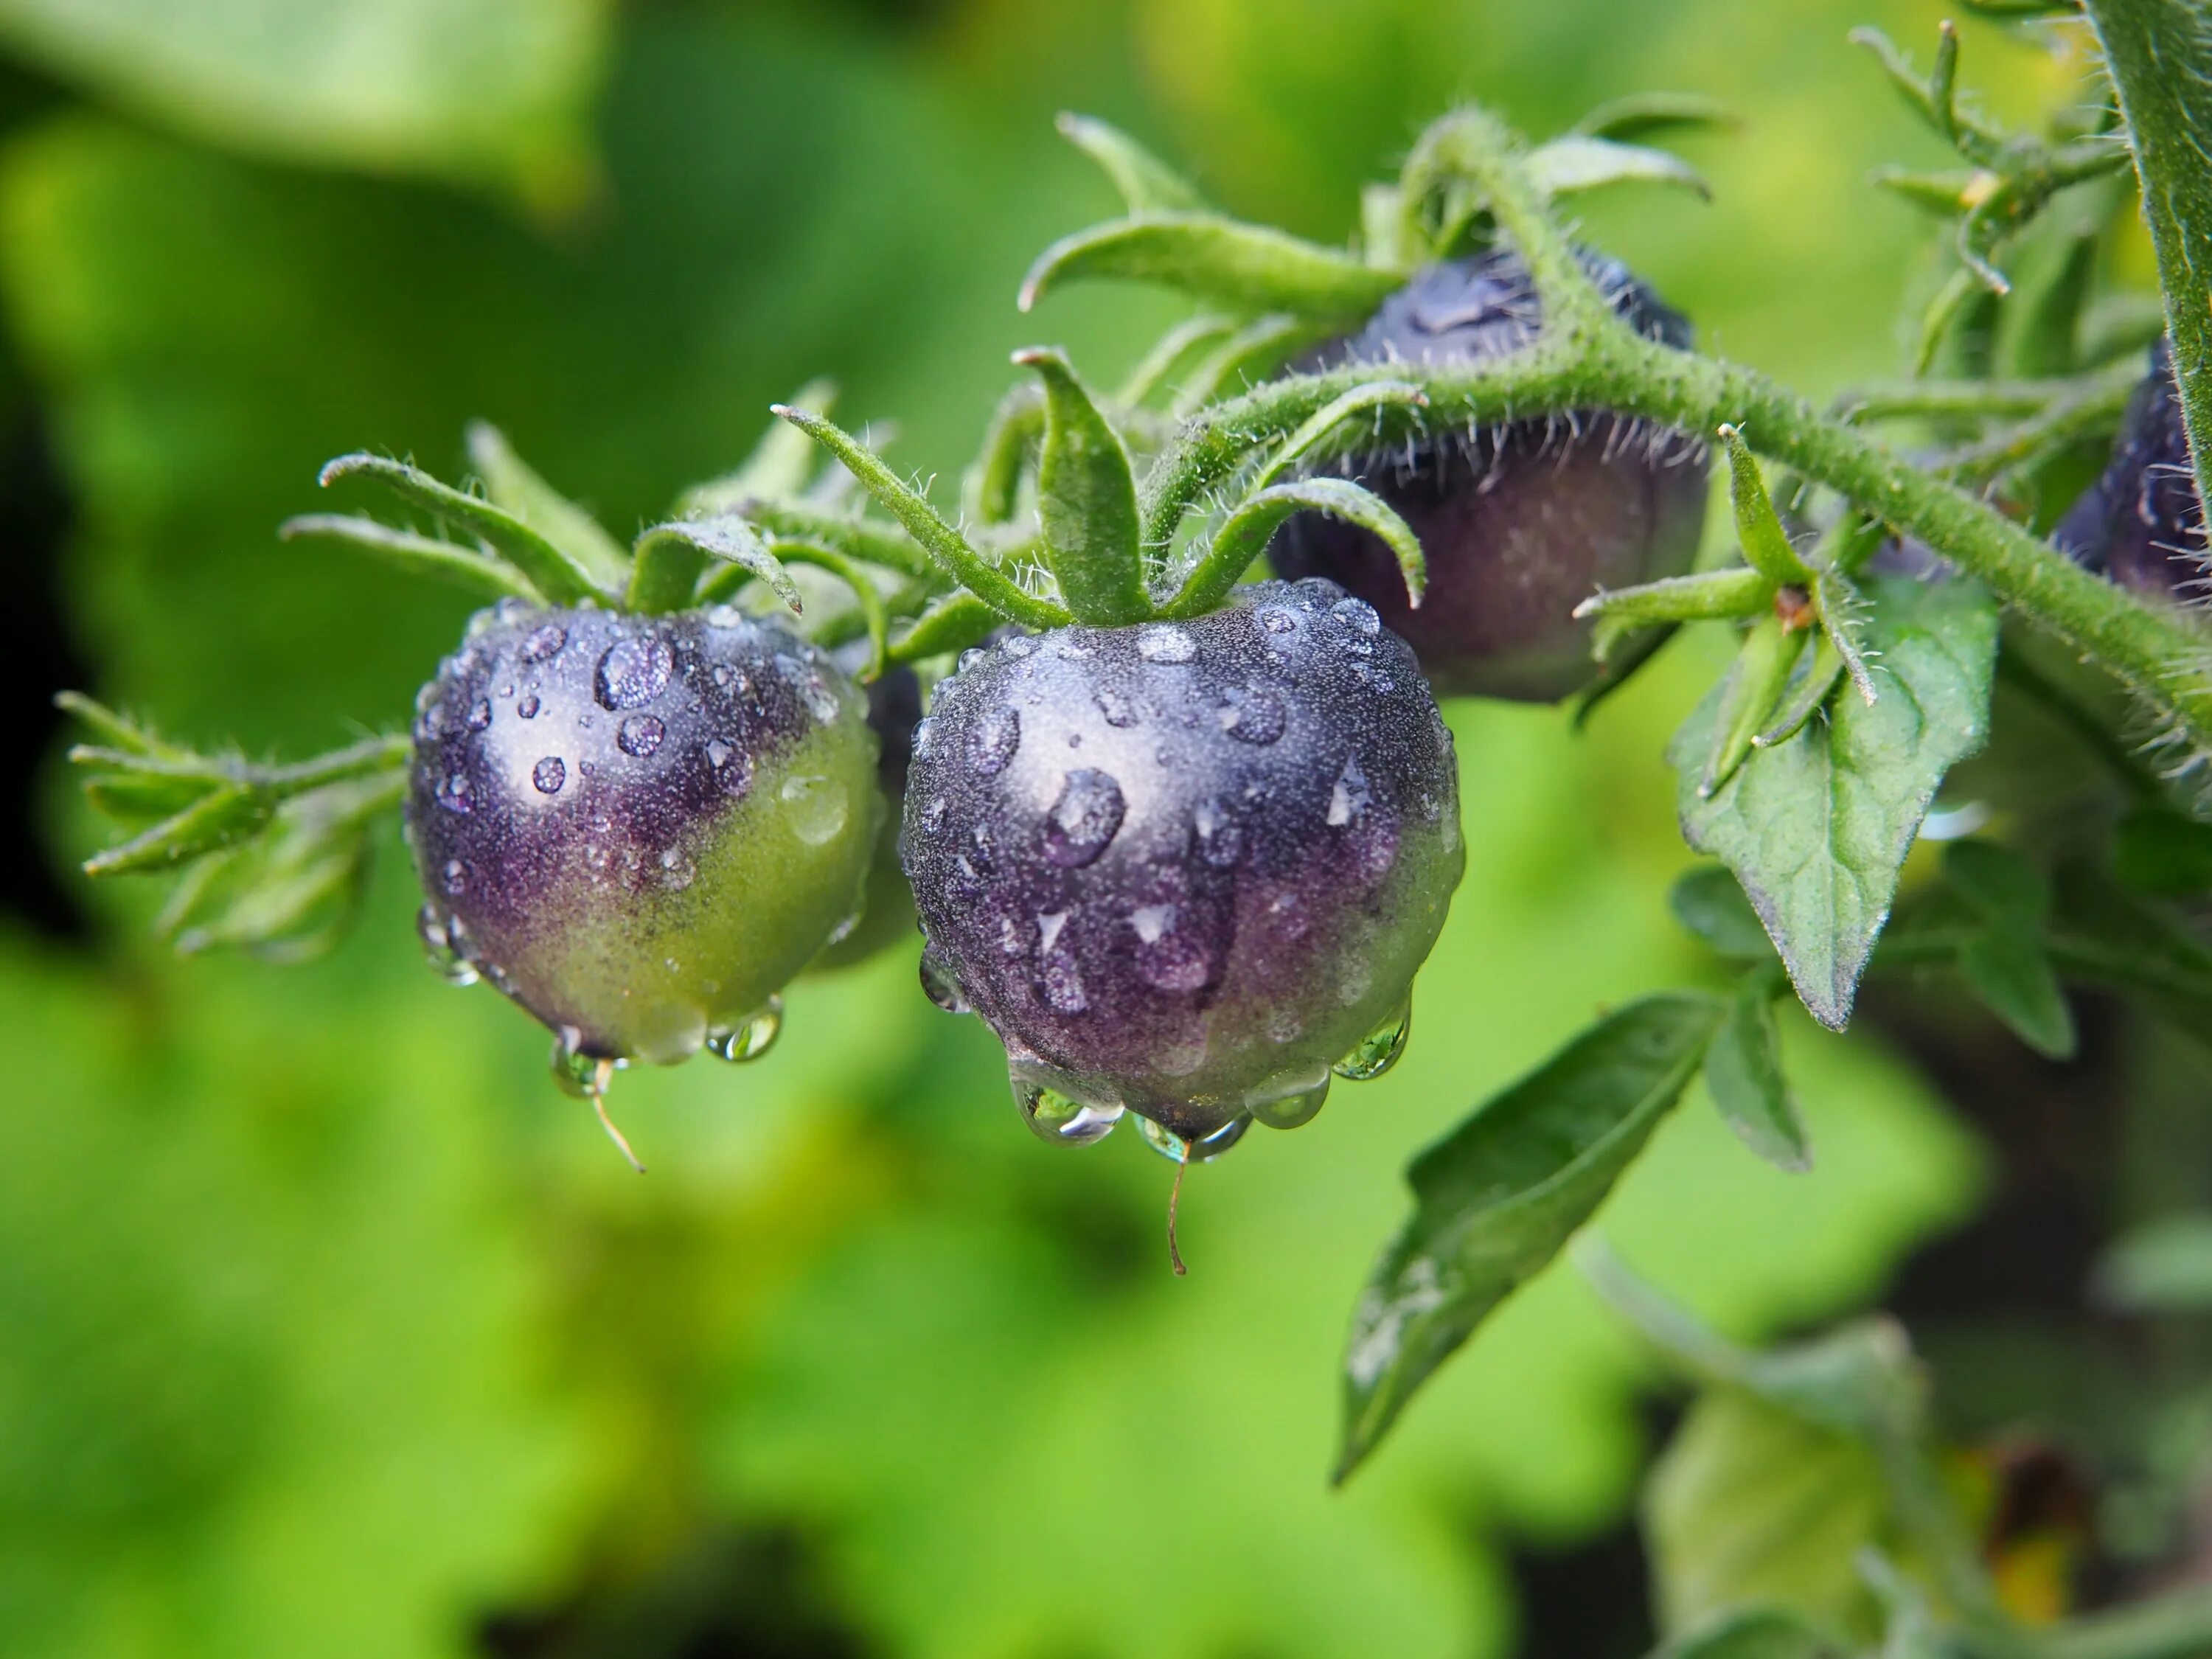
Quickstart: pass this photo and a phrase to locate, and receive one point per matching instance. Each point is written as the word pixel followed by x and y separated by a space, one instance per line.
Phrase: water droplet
pixel 1165 642
pixel 722 677
pixel 544 643
pixel 816 808
pixel 1288 1100
pixel 633 672
pixel 1351 797
pixel 750 1038
pixel 576 1073
pixel 968 658
pixel 549 775
pixel 677 871
pixel 430 725
pixel 1359 615
pixel 1084 818
pixel 1172 961
pixel 1378 1051
pixel 726 616
pixel 454 793
pixel 718 753
pixel 441 946
pixel 938 983
pixel 924 735
pixel 1152 922
pixel 1204 1150
pixel 640 735
pixel 1220 842
pixel 479 715
pixel 1278 618
pixel 1063 1119
pixel 1019 646
pixel 1119 711
pixel 1060 981
pixel 933 815
pixel 455 876
pixel 992 740
pixel 1254 716
pixel 528 707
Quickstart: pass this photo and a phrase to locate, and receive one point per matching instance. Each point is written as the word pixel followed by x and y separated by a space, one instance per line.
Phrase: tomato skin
pixel 2140 524
pixel 639 827
pixel 1522 522
pixel 1178 867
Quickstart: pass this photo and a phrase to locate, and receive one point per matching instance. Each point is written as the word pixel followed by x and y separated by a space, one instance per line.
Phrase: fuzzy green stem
pixel 2156 652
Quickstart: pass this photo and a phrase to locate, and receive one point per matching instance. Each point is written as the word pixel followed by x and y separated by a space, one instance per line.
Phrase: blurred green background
pixel 328 1328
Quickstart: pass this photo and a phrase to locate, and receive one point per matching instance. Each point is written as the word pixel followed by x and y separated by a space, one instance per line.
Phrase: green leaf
pixel 550 570
pixel 1244 535
pixel 511 483
pixel 1086 501
pixel 418 555
pixel 1710 902
pixel 1817 827
pixel 2008 973
pixel 1577 162
pixel 1496 1199
pixel 1640 115
pixel 2102 935
pixel 2159 54
pixel 1750 1633
pixel 1998 881
pixel 1147 183
pixel 1743 1074
pixel 1220 261
pixel 1750 1504
pixel 2161 1267
pixel 486 92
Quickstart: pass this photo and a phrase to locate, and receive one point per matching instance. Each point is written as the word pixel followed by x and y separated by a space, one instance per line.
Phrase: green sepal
pixel 417 556
pixel 1315 433
pixel 1840 606
pixel 1218 260
pixel 513 483
pixel 1641 115
pixel 1747 697
pixel 1576 162
pixel 1252 353
pixel 953 623
pixel 1244 535
pixel 554 572
pixel 671 557
pixel 1086 501
pixel 224 814
pixel 1807 695
pixel 944 544
pixel 1766 544
pixel 1147 183
pixel 1710 595
pixel 1152 371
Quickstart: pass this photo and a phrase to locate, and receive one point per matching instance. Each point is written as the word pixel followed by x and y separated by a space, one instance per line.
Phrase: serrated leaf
pixel 1086 501
pixel 1579 161
pixel 1743 1074
pixel 1817 827
pixel 1221 261
pixel 2008 973
pixel 1496 1199
pixel 1710 902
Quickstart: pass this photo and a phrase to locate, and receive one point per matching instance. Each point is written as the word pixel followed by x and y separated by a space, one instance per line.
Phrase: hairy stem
pixel 2157 653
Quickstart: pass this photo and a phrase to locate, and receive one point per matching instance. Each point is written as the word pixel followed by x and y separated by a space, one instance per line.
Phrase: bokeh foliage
pixel 327 1326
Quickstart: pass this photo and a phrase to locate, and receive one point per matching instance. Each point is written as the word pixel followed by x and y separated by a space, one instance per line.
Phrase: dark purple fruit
pixel 639 827
pixel 887 902
pixel 1184 869
pixel 2140 524
pixel 1520 523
